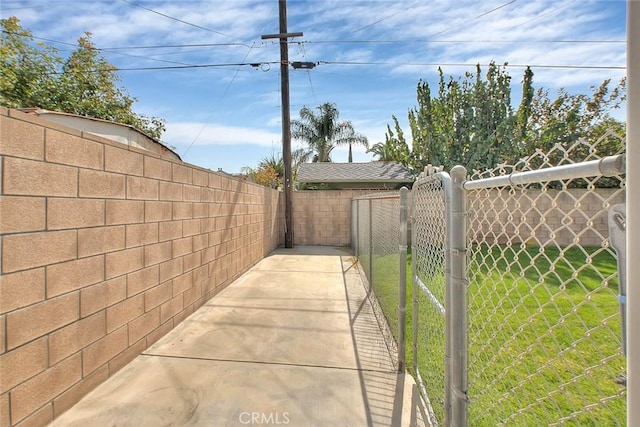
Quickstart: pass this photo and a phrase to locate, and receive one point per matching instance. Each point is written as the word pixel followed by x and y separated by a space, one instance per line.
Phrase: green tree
pixel 471 120
pixel 85 83
pixel 568 118
pixel 270 169
pixel 394 147
pixel 27 70
pixel 323 131
pixel 382 150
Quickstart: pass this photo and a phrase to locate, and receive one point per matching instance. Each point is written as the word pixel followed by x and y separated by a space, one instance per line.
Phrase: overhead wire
pixel 549 12
pixel 75 45
pixel 313 92
pixel 457 41
pixel 174 18
pixel 181 67
pixel 258 65
pixel 224 93
pixel 385 18
pixel 474 18
pixel 459 64
pixel 175 46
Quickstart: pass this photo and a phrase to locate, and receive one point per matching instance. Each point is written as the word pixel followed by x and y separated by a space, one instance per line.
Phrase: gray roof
pixel 354 172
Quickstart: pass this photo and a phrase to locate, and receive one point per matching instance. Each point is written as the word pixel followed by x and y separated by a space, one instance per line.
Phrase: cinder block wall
pixel 573 216
pixel 104 249
pixel 323 217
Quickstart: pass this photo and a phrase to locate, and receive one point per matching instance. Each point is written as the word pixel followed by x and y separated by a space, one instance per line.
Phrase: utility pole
pixel 286 119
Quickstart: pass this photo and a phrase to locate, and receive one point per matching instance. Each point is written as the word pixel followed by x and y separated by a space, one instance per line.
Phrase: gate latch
pixel 618 237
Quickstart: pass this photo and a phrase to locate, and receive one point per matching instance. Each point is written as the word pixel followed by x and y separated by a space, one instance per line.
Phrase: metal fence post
pixel 356 229
pixel 414 290
pixel 370 243
pixel 402 288
pixel 633 203
pixel 458 303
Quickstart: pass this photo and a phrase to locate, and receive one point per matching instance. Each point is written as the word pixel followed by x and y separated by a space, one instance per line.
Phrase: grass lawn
pixel 544 335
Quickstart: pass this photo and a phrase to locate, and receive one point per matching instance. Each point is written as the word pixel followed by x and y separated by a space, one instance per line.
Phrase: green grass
pixel 544 335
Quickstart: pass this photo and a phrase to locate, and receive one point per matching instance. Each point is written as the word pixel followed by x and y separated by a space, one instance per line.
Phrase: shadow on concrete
pixel 294 340
pixel 390 399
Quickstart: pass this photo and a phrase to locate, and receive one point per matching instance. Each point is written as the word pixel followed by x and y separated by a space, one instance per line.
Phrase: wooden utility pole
pixel 286 119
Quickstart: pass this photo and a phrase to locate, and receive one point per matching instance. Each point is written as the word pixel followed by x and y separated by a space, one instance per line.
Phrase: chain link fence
pixel 544 327
pixel 516 298
pixel 428 265
pixel 376 234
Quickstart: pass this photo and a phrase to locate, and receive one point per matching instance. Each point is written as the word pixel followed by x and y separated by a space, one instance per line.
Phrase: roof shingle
pixel 391 172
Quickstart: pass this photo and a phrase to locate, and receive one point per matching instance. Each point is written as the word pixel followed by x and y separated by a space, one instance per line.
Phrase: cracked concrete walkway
pixel 294 341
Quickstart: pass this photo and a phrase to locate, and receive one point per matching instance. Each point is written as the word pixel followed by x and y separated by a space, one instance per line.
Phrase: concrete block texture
pixel 74 213
pixel 103 250
pixel 98 184
pixel 32 178
pixel 31 250
pixel 37 320
pixel 21 139
pixel 72 150
pixel 21 289
pixel 323 217
pixel 22 214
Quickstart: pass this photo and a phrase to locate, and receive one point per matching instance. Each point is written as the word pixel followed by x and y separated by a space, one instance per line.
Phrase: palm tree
pixel 274 162
pixel 270 169
pixel 383 150
pixel 322 132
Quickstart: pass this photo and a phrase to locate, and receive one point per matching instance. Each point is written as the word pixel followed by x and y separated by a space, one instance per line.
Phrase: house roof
pixel 388 172
pixel 114 131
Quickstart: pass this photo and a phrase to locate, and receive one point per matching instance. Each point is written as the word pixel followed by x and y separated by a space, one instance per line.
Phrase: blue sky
pixel 371 55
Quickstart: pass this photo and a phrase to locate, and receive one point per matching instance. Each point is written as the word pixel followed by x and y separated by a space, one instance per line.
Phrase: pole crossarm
pixel 281 36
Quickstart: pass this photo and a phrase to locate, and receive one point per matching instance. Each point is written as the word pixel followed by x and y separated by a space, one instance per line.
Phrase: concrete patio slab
pixel 294 341
pixel 156 391
pixel 271 317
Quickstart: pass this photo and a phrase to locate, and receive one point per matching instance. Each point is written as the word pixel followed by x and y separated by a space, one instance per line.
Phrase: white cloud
pixel 245 103
pixel 185 133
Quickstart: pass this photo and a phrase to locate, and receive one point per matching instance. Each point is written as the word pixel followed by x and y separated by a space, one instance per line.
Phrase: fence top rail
pixel 607 166
pixel 426 179
pixel 389 195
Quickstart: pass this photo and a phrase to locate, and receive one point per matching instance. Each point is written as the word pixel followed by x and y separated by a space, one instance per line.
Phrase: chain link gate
pixel 544 320
pixel 515 288
pixel 428 265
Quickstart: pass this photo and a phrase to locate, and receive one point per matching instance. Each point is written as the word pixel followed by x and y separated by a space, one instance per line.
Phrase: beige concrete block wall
pixel 104 249
pixel 573 216
pixel 323 217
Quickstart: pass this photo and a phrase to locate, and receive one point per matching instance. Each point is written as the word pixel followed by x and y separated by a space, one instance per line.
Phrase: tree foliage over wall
pixel 471 121
pixel 270 169
pixel 84 83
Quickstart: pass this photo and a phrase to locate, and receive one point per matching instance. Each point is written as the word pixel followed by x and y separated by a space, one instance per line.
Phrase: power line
pixel 226 89
pixel 549 12
pixel 457 64
pixel 180 67
pixel 116 50
pixel 412 64
pixel 204 126
pixel 474 18
pixel 175 46
pixel 385 18
pixel 100 49
pixel 174 19
pixel 459 41
pixel 313 92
